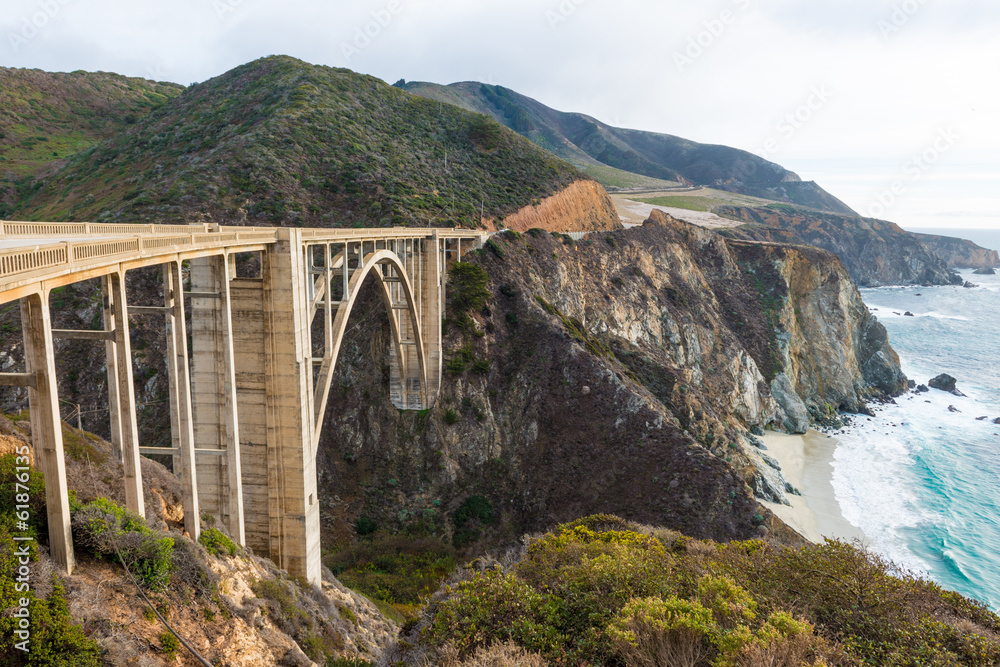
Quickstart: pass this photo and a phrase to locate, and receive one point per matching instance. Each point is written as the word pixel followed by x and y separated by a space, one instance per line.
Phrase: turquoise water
pixel 919 480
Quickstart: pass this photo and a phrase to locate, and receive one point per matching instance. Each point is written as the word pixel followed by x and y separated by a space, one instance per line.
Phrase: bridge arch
pixel 376 263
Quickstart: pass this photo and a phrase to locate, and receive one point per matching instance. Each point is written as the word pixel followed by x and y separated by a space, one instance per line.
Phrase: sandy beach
pixel 807 463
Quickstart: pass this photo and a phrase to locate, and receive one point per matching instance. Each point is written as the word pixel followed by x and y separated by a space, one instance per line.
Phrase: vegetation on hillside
pixel 602 591
pixel 46 118
pixel 587 142
pixel 279 141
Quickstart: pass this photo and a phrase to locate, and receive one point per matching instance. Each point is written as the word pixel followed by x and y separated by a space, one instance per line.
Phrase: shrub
pixel 450 416
pixel 481 367
pixel 394 569
pixel 651 632
pixel 365 526
pixel 169 645
pixel 492 607
pixel 217 543
pixel 108 529
pixel 475 511
pixel 603 591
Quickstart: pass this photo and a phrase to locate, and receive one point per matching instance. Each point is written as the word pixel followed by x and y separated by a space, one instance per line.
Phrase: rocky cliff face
pixel 834 354
pixel 875 252
pixel 583 206
pixel 960 253
pixel 619 374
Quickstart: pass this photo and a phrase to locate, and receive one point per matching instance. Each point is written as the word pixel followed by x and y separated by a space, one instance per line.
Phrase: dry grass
pixel 498 655
pixel 679 647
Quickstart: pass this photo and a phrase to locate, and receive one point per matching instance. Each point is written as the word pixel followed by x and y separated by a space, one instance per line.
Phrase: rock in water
pixel 908 314
pixel 985 272
pixel 952 408
pixel 969 285
pixel 944 382
pixel 997 421
pixel 922 389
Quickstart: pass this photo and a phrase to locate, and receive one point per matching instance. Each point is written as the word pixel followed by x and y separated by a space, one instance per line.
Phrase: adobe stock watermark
pixel 913 170
pixel 712 30
pixel 793 121
pixel 32 25
pixel 370 31
pixel 563 12
pixel 901 14
pixel 22 575
pixel 223 8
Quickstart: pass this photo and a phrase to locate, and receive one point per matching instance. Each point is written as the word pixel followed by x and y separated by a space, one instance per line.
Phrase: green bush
pixel 603 591
pixel 169 645
pixel 394 569
pixel 108 529
pixel 217 543
pixel 474 512
pixel 53 639
pixel 365 526
pixel 467 287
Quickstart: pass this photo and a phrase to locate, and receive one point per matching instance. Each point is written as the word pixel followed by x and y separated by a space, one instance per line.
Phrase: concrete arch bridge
pixel 247 399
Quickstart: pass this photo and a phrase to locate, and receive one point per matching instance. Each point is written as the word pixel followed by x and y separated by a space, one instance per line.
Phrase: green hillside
pixel 279 141
pixel 47 117
pixel 586 142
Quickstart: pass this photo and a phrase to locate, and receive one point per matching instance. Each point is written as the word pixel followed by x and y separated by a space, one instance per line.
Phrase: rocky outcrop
pixel 836 355
pixel 960 253
pixel 875 252
pixel 584 206
pixel 617 374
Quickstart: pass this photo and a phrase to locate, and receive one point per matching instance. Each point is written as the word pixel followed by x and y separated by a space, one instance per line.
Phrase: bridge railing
pixel 10 229
pixel 25 261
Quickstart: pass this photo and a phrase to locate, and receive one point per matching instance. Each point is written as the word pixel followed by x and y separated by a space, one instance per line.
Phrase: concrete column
pixel 249 315
pixel 431 290
pixel 181 417
pixel 112 368
pixel 126 398
pixel 46 427
pixel 293 501
pixel 213 390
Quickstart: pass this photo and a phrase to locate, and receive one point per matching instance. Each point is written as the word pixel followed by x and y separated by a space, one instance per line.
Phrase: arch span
pixel 406 335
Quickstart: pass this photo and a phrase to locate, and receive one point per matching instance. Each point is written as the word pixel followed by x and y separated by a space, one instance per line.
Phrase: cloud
pixel 754 62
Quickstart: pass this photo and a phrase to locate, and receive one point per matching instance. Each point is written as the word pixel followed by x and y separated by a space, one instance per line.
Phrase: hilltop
pixel 47 117
pixel 613 154
pixel 279 141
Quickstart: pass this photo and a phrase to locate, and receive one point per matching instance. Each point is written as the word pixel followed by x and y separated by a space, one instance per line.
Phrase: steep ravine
pixel 619 374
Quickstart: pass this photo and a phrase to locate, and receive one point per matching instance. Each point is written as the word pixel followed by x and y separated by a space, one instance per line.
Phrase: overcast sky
pixel 891 105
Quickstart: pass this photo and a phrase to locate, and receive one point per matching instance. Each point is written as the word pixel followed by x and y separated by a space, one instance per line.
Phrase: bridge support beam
pixel 181 414
pixel 46 426
pixel 213 394
pixel 125 396
pixel 431 291
pixel 293 500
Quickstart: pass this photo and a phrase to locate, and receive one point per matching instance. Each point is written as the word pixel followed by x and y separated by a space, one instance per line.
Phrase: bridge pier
pixel 213 393
pixel 292 495
pixel 123 409
pixel 46 424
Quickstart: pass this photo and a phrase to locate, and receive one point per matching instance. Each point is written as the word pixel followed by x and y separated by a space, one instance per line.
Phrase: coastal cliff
pixel 835 355
pixel 619 374
pixel 960 253
pixel 875 252
pixel 583 206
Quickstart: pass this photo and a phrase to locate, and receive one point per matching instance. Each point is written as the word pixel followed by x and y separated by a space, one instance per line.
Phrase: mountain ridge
pixel 252 146
pixel 587 142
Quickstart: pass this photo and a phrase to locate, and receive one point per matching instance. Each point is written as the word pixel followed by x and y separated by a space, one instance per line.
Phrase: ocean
pixel 920 479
